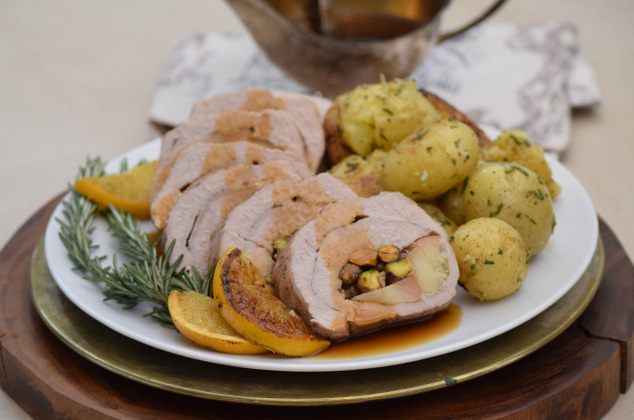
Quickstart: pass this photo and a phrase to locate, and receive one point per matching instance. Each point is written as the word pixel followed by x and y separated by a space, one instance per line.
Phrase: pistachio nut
pixel 364 257
pixel 389 253
pixel 349 273
pixel 399 268
pixel 368 281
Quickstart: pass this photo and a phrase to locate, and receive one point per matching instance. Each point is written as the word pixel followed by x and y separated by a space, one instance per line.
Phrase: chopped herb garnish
pixel 516 140
pixel 538 194
pixel 497 211
pixel 489 262
pixel 441 220
pixel 351 166
pixel 519 169
pixel 464 185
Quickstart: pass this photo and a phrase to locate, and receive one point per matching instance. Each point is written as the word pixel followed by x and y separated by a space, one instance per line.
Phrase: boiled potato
pixel 432 161
pixel 514 146
pixel 492 258
pixel 515 194
pixel 379 115
pixel 451 203
pixel 361 175
pixel 441 218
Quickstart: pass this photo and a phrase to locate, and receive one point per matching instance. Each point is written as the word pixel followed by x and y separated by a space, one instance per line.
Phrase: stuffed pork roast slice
pixel 270 128
pixel 201 209
pixel 275 212
pixel 202 158
pixel 302 110
pixel 308 270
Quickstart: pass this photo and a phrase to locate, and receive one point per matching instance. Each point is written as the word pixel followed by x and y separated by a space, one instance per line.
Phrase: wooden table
pixel 78 77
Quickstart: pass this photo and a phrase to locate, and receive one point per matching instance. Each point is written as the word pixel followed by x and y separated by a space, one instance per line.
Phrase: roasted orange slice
pixel 256 313
pixel 197 317
pixel 128 191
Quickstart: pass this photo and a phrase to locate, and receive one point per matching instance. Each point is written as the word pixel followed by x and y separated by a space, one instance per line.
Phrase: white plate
pixel 550 276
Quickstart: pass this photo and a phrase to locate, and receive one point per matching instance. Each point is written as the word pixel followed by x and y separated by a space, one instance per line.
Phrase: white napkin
pixel 506 76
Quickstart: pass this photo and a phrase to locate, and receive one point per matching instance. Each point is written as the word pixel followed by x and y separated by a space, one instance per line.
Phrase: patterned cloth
pixel 505 76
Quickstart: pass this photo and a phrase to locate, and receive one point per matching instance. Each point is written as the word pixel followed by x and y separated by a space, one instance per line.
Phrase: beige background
pixel 76 79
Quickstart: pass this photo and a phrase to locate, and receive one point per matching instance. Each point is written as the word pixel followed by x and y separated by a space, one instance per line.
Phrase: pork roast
pixel 202 158
pixel 200 211
pixel 270 128
pixel 307 270
pixel 302 110
pixel 276 211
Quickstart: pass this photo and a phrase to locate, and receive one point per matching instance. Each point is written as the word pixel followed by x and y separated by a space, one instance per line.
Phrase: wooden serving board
pixel 578 375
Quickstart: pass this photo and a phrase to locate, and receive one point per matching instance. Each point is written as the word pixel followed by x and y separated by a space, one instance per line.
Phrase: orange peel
pixel 197 317
pixel 250 308
pixel 128 192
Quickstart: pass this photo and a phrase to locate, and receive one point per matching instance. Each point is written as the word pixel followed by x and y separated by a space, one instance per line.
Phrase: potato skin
pixel 336 150
pixel 515 194
pixel 437 214
pixel 491 256
pixel 432 161
pixel 375 116
pixel 452 202
pixel 447 110
pixel 514 146
pixel 361 175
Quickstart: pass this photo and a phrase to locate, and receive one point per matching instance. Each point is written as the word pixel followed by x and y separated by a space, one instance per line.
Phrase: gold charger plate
pixel 166 371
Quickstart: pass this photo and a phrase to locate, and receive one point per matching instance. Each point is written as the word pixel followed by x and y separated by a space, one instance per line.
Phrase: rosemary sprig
pixel 147 277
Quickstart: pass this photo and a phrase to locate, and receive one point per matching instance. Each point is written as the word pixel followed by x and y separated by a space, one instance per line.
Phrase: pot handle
pixel 492 9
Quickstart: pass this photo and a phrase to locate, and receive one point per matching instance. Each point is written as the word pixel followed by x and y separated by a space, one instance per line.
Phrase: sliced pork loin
pixel 245 100
pixel 302 109
pixel 202 158
pixel 270 128
pixel 307 270
pixel 201 209
pixel 276 211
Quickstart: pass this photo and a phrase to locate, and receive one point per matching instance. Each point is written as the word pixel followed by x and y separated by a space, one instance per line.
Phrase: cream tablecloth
pixel 77 79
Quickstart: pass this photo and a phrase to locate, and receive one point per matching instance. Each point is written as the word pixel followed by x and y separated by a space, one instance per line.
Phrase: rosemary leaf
pixel 146 277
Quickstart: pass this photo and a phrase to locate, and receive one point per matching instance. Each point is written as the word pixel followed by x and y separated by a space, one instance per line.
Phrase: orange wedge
pixel 197 317
pixel 251 309
pixel 128 192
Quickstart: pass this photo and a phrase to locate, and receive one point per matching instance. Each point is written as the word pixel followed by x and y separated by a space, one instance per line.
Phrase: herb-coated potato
pixel 441 218
pixel 379 115
pixel 452 203
pixel 515 194
pixel 432 161
pixel 447 110
pixel 491 255
pixel 514 146
pixel 361 175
